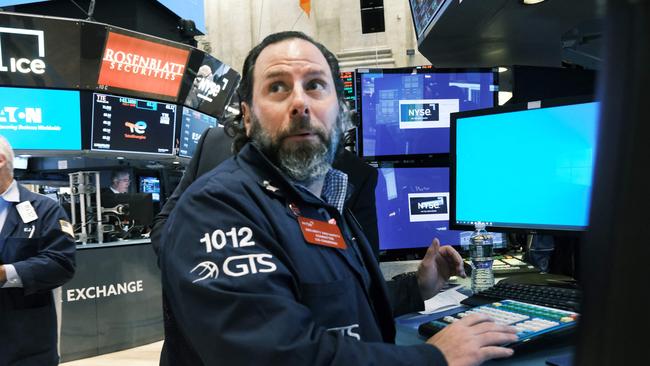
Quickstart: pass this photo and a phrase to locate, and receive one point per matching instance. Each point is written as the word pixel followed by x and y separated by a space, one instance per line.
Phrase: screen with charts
pixel 407 111
pixel 150 185
pixel 132 125
pixel 413 208
pixel 193 124
pixel 545 158
pixel 349 90
pixel 40 119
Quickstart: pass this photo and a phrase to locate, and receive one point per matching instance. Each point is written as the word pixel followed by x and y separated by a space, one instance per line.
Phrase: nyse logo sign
pixel 23 65
pixel 426 113
pixel 430 206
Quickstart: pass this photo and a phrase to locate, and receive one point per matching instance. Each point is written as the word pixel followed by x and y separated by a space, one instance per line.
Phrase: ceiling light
pixel 502 69
pixel 531 2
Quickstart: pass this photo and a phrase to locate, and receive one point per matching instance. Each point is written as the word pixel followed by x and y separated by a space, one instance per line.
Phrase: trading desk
pixel 536 354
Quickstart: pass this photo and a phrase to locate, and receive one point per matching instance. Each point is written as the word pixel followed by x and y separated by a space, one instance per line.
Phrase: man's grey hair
pixel 8 152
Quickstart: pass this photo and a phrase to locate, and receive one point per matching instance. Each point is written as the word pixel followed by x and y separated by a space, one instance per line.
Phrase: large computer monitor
pixel 132 125
pixel 413 208
pixel 407 111
pixel 40 119
pixel 193 124
pixel 524 167
pixel 423 12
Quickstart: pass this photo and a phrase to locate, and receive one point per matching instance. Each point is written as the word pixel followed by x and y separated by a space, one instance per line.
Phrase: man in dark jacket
pixel 262 261
pixel 37 255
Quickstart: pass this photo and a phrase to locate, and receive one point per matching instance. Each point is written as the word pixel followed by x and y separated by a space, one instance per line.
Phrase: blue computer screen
pixel 527 169
pixel 408 113
pixel 150 185
pixel 193 124
pixel 413 208
pixel 40 119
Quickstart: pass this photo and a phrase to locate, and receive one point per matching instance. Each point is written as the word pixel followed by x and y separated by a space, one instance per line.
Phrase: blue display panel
pixel 413 208
pixel 407 112
pixel 133 125
pixel 150 185
pixel 193 124
pixel 40 119
pixel 526 169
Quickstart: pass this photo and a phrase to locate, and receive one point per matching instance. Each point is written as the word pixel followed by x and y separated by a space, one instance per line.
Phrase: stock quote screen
pixel 132 125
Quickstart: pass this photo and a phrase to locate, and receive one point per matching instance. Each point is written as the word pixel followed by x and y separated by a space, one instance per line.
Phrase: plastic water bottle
pixel 480 250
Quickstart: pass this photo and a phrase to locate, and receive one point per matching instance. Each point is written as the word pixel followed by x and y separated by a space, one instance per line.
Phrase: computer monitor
pixel 150 185
pixel 349 88
pixel 524 167
pixel 132 125
pixel 40 119
pixel 193 124
pixel 140 207
pixel 423 12
pixel 413 208
pixel 405 112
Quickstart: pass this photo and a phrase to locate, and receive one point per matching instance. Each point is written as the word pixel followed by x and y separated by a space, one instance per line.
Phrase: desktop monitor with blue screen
pixel 413 208
pixel 193 124
pixel 150 185
pixel 40 119
pixel 525 167
pixel 407 111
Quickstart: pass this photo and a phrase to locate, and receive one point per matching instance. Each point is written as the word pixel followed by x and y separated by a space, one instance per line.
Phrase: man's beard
pixel 303 161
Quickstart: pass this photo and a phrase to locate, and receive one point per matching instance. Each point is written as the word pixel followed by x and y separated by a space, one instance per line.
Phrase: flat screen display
pixel 520 168
pixel 40 119
pixel 413 208
pixel 152 69
pixel 193 124
pixel 407 111
pixel 132 125
pixel 423 11
pixel 150 185
pixel 349 88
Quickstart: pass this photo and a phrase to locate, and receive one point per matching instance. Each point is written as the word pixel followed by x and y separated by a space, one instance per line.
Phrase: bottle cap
pixel 479 225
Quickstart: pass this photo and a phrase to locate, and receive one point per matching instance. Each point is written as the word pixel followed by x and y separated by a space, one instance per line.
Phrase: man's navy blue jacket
pixel 246 288
pixel 44 258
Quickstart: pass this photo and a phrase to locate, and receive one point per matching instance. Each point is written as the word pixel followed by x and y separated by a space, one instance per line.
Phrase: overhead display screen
pixel 137 65
pixel 40 119
pixel 209 84
pixel 132 125
pixel 423 12
pixel 36 51
pixel 193 124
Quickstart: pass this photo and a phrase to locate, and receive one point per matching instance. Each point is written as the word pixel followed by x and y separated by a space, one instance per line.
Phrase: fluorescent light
pixel 531 2
pixel 502 69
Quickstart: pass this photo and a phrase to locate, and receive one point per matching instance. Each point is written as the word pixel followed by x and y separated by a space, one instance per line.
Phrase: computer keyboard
pixel 554 297
pixel 531 321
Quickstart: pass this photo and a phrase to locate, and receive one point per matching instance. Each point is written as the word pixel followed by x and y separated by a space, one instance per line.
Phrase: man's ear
pixel 3 161
pixel 246 117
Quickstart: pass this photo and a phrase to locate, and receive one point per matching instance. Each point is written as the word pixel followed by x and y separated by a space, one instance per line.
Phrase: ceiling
pixel 483 33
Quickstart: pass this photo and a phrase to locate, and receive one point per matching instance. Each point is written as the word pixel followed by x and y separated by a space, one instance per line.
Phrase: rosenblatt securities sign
pixel 135 64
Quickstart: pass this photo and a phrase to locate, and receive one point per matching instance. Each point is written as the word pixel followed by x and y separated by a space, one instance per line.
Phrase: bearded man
pixel 263 264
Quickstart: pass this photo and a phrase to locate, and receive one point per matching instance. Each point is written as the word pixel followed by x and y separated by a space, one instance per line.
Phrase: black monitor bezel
pixel 523 228
pixel 412 70
pixel 92 126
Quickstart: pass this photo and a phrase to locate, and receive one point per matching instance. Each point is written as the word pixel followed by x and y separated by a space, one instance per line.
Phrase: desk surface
pixel 407 334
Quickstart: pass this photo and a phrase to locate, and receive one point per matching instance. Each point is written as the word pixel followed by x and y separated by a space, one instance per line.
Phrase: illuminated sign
pixel 25 65
pixel 135 64
pixel 40 119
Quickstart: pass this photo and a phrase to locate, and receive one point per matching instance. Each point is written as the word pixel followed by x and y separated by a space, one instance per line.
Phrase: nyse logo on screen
pixel 136 130
pixel 426 113
pixel 24 64
pixel 21 115
pixel 429 206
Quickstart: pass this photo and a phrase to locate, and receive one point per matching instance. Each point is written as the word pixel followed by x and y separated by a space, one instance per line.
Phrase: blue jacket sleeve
pixel 236 297
pixel 54 262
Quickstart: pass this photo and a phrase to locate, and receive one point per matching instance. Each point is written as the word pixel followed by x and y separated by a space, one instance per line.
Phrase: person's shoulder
pixel 39 200
pixel 226 177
